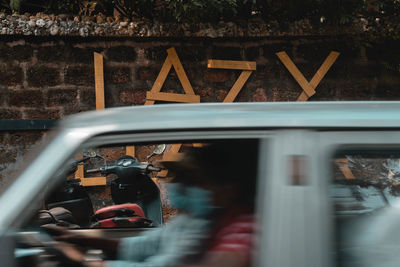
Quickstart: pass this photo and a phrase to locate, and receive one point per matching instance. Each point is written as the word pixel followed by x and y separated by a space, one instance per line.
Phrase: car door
pixel 294 204
pixel 363 196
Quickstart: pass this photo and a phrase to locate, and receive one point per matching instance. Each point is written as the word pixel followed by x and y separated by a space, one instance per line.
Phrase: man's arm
pixel 110 246
pixel 224 259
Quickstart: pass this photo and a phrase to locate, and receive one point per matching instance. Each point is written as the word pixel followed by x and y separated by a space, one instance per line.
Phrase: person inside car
pixel 213 190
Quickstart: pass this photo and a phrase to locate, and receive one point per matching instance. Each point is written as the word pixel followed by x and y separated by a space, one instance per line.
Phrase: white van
pixel 327 181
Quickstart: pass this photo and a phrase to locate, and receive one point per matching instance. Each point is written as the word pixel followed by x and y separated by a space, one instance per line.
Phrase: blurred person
pixel 229 180
pixel 213 190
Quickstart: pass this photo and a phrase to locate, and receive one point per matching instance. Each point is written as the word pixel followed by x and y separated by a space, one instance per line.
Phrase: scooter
pixel 69 205
pixel 137 196
pixel 135 193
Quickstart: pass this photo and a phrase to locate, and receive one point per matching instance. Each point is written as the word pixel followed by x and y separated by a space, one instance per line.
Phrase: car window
pixel 365 194
pixel 108 193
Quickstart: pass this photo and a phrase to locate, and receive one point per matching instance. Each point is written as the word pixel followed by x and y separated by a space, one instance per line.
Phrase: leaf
pixel 15 5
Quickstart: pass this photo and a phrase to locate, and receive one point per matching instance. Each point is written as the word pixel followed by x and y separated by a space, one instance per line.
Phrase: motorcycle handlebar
pixel 153 169
pixel 93 170
pixel 149 168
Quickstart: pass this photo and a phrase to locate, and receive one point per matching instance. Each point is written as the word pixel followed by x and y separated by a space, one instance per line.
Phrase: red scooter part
pixel 123 210
pixel 123 222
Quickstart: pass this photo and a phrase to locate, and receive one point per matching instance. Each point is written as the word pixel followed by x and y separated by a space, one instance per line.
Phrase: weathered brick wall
pixel 50 78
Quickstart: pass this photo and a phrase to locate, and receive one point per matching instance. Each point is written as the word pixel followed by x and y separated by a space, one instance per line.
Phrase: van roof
pixel 243 115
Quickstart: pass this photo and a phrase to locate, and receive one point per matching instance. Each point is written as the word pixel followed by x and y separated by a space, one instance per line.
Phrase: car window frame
pixel 108 138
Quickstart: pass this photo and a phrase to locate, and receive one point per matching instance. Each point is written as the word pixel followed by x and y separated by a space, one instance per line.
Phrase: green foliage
pixel 15 5
pixel 4 6
pixel 71 7
pixel 183 10
pixel 57 7
pixel 135 8
pixel 381 17
pixel 201 10
pixel 328 11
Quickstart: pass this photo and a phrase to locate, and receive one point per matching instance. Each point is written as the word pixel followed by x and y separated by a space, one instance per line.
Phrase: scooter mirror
pixel 158 150
pixel 90 153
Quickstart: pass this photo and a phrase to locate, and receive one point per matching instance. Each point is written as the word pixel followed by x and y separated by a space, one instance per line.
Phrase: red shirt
pixel 235 235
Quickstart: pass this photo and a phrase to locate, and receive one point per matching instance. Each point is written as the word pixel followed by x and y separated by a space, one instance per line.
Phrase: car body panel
pixel 295 218
pixel 243 115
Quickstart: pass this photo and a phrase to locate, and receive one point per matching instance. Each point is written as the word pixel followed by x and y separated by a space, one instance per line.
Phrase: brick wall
pixel 44 78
